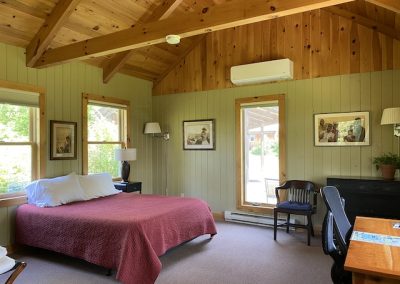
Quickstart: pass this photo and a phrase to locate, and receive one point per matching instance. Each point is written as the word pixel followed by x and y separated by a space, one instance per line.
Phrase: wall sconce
pixel 154 129
pixel 392 116
pixel 125 155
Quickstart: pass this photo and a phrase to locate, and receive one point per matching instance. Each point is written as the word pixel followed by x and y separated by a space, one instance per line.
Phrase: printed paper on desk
pixel 396 226
pixel 375 238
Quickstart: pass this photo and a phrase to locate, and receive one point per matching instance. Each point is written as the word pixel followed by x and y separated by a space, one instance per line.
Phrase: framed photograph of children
pixel 199 134
pixel 62 140
pixel 342 129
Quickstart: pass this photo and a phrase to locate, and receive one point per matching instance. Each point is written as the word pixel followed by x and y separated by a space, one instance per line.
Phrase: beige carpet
pixel 237 254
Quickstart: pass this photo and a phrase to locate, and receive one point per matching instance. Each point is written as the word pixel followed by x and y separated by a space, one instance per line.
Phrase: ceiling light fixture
pixel 173 39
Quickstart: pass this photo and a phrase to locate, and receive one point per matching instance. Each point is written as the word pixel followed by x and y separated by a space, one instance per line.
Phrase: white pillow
pixel 55 191
pixel 97 185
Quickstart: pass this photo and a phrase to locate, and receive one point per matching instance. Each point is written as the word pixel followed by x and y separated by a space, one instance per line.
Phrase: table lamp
pixel 125 155
pixel 392 116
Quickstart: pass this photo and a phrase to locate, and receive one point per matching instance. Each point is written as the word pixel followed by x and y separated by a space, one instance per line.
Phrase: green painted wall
pixel 64 85
pixel 211 174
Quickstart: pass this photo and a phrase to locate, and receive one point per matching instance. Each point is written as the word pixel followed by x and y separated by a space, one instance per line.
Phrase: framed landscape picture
pixel 342 129
pixel 62 140
pixel 199 134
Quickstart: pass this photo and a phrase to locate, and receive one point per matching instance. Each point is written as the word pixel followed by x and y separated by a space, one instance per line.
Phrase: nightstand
pixel 131 186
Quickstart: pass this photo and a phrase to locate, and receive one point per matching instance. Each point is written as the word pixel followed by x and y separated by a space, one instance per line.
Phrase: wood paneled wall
pixel 64 85
pixel 318 42
pixel 210 175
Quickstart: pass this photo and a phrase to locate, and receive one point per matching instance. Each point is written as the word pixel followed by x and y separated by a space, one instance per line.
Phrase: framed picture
pixel 341 129
pixel 62 140
pixel 199 134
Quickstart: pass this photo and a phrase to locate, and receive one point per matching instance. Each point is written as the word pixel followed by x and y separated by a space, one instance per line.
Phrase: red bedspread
pixel 125 231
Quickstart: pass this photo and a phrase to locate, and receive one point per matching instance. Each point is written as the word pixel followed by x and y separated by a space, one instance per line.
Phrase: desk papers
pixel 375 238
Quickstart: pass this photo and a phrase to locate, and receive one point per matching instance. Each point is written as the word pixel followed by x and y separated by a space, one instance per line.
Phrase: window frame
pixel 240 194
pixel 38 139
pixel 125 130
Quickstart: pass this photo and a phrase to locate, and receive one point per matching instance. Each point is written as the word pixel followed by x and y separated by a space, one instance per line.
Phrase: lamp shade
pixel 125 154
pixel 391 116
pixel 152 128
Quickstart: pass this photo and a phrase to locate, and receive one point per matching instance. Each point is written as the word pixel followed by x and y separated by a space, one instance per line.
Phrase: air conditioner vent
pixel 275 70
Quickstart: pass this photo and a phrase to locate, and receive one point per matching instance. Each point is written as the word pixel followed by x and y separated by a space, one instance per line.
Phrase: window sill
pixel 7 200
pixel 256 209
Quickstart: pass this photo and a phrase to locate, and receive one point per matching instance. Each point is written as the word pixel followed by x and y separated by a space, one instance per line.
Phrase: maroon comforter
pixel 125 231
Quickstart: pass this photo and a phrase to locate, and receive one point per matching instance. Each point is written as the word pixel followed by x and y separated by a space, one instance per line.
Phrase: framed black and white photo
pixel 199 134
pixel 342 129
pixel 62 140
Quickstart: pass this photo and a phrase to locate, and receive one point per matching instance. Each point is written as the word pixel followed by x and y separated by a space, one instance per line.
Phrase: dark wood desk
pixel 371 262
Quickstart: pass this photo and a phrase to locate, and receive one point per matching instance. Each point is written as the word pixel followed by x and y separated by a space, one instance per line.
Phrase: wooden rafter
pixel 392 5
pixel 161 12
pixel 50 27
pixel 364 21
pixel 181 57
pixel 230 14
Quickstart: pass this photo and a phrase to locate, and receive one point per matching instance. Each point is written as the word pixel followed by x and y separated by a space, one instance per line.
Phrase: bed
pixel 126 232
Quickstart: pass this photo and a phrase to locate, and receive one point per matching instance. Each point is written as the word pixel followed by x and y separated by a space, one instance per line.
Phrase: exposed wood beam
pixel 161 12
pixel 392 5
pixel 367 22
pixel 50 27
pixel 181 57
pixel 115 64
pixel 138 72
pixel 164 10
pixel 231 14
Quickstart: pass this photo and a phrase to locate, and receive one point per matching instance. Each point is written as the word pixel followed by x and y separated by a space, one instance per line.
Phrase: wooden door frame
pixel 280 98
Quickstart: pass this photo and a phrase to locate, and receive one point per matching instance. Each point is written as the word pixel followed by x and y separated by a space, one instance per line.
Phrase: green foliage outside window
pixel 14 123
pixel 15 165
pixel 101 159
pixel 103 126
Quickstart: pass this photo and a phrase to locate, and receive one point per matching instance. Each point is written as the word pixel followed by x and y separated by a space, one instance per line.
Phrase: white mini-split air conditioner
pixel 275 70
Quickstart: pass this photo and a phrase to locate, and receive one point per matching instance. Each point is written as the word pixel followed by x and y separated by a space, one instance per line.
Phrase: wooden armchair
pixel 296 197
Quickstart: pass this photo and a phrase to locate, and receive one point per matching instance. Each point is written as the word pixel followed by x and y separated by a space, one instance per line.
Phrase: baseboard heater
pixel 254 219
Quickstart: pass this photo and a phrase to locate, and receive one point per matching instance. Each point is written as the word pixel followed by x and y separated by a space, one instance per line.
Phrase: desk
pixel 370 262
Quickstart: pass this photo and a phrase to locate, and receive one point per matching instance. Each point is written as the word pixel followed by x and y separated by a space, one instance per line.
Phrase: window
pixel 260 151
pixel 105 128
pixel 22 157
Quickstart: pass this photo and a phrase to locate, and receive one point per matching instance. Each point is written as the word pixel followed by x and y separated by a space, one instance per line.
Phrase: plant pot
pixel 388 171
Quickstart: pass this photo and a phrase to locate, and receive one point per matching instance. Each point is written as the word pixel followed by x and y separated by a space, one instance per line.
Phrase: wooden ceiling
pixel 128 36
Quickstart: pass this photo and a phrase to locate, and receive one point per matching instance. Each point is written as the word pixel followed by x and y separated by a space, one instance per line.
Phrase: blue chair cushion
pixel 294 205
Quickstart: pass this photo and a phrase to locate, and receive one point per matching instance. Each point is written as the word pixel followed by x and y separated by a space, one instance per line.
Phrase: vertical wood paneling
pixel 308 128
pixel 318 42
pixel 365 104
pixel 355 103
pixel 64 85
pixel 344 45
pixel 3 59
pixel 334 90
pixel 5 225
pixel 387 101
pixel 210 174
pixel 376 113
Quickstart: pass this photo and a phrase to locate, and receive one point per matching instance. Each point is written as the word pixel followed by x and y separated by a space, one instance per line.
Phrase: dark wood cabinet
pixel 368 196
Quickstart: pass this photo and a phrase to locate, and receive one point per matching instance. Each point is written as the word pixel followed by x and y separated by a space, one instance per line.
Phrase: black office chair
pixel 336 231
pixel 295 197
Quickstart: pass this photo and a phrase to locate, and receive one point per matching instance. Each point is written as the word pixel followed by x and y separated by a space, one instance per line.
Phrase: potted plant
pixel 388 163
